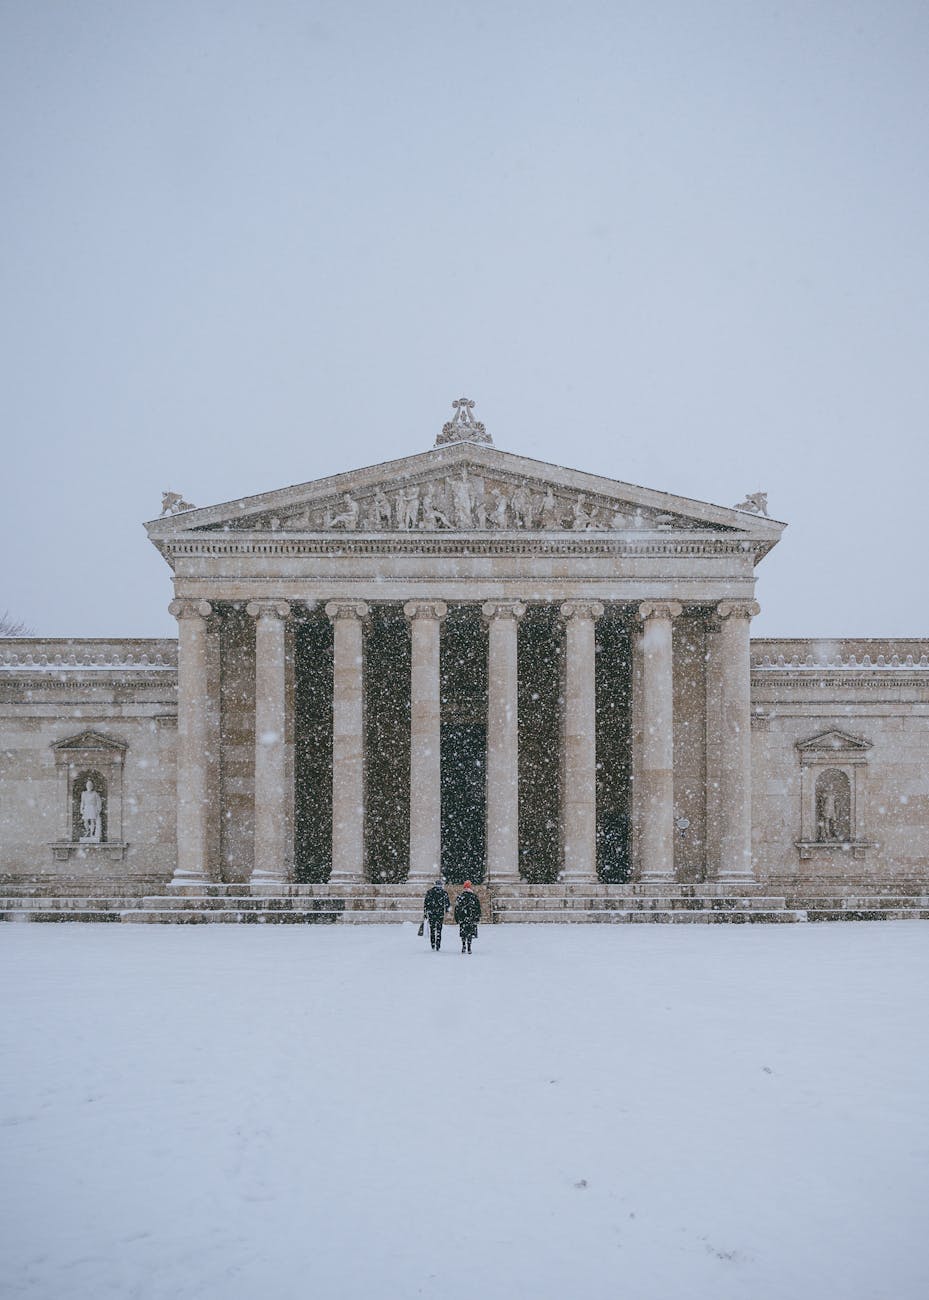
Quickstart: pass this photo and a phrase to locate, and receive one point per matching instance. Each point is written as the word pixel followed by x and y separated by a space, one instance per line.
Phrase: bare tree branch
pixel 10 626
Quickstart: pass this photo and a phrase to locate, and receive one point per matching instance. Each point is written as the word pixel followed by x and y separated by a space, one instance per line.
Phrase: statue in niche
pixel 833 807
pixel 583 518
pixel 463 500
pixel 348 518
pixel 501 510
pixel 828 816
pixel 91 810
pixel 522 508
pixel 550 511
pixel 408 507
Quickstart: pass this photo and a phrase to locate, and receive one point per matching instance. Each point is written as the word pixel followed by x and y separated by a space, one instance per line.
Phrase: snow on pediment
pixel 833 742
pixel 466 487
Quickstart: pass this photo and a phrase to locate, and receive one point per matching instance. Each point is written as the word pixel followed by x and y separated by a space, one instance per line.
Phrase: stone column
pixel 656 841
pixel 502 740
pixel 425 740
pixel 192 741
pixel 347 618
pixel 270 860
pixel 735 769
pixel 579 803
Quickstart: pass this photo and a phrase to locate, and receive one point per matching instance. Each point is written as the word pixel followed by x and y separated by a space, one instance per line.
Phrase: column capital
pixel 579 609
pixel 738 609
pixel 503 609
pixel 428 609
pixel 268 609
pixel 348 609
pixel 183 608
pixel 650 609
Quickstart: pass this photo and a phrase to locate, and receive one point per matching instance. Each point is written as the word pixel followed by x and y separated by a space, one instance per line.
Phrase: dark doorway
pixel 464 746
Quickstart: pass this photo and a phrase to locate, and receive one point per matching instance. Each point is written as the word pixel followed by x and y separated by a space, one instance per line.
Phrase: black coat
pixel 436 903
pixel 468 911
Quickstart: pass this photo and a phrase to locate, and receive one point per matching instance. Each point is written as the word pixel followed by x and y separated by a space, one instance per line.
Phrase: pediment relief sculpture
pixel 464 500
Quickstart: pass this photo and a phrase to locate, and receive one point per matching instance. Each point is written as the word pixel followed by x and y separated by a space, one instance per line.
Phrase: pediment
pixel 464 488
pixel 833 742
pixel 89 740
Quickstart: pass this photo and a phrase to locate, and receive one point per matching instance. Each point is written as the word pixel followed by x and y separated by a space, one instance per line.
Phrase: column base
pixel 186 877
pixel 268 878
pixel 658 878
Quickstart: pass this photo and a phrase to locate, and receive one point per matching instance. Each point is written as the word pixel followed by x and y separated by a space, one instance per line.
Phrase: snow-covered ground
pixel 643 1112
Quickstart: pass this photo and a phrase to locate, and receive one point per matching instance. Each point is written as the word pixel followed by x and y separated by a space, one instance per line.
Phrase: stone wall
pixel 860 707
pixel 69 708
pixel 109 706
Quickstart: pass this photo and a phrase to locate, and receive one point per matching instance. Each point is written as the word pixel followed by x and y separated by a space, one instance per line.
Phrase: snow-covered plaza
pixel 647 1112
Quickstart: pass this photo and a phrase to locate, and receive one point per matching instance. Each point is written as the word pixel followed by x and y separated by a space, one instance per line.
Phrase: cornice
pixel 467 545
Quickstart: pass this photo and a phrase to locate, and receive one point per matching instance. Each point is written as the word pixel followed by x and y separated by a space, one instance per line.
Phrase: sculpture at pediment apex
pixel 462 427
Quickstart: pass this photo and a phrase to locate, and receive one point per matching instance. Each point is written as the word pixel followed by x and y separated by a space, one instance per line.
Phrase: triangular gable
pixel 463 487
pixel 833 741
pixel 89 740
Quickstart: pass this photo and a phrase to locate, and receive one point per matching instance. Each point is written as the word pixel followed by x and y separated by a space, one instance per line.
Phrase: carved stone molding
pixel 659 609
pixel 190 609
pixel 268 609
pixel 580 609
pixel 434 609
pixel 349 609
pixel 503 609
pixel 738 609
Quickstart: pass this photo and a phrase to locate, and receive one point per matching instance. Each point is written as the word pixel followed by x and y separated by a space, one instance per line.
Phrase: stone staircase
pixel 688 904
pixel 638 903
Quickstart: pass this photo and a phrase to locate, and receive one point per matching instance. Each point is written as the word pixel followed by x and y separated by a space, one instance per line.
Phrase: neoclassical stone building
pixel 471 662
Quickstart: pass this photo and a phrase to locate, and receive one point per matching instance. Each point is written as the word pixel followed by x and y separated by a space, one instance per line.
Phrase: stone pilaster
pixel 425 739
pixel 271 856
pixel 192 741
pixel 735 770
pixel 579 802
pixel 656 840
pixel 347 618
pixel 502 740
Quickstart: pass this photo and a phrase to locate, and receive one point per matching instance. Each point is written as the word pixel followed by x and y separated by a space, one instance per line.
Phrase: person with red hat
pixel 467 914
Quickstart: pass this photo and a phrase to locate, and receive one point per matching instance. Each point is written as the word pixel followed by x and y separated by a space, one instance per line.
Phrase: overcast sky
pixel 251 243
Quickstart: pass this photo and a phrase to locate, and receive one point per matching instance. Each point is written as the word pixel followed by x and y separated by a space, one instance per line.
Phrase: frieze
pixel 838 663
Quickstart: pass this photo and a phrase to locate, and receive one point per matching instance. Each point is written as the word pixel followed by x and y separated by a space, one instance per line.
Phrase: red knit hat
pixel 467 884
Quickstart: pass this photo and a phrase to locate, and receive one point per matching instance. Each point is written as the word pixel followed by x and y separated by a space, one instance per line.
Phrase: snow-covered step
pixel 868 914
pixel 646 916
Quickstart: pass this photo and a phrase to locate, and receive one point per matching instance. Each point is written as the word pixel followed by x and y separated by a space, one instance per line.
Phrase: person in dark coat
pixel 435 906
pixel 467 914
